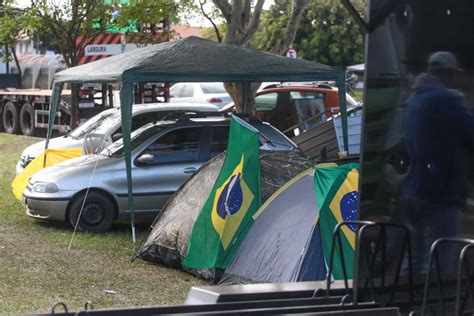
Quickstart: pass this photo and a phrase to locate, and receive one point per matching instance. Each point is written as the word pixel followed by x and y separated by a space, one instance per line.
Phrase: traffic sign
pixel 102 49
pixel 291 53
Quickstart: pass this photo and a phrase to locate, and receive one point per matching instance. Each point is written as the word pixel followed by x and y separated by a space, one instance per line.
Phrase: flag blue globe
pixel 230 199
pixel 348 207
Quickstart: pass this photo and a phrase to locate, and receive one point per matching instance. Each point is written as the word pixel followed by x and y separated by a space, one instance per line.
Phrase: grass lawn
pixel 37 269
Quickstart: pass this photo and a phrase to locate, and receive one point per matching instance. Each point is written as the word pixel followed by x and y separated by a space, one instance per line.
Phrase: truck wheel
pixel 27 120
pixel 10 118
pixel 98 212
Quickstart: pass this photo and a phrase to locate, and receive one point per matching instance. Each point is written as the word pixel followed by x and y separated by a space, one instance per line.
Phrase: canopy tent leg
pixel 57 87
pixel 53 106
pixel 126 101
pixel 341 85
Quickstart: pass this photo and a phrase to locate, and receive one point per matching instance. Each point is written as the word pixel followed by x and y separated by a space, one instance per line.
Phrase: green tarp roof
pixel 197 59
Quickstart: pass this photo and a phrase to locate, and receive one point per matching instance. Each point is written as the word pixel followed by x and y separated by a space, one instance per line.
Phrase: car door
pixel 161 168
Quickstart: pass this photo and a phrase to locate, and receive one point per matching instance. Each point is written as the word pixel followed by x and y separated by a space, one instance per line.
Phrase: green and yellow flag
pixel 337 197
pixel 231 204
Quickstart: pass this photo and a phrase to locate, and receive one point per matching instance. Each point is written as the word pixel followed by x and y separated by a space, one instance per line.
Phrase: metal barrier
pixel 462 265
pixel 366 261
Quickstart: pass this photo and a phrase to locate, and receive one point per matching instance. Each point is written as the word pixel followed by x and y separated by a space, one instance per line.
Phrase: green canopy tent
pixel 191 59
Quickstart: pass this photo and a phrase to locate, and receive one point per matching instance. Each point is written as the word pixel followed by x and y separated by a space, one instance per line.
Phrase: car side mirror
pixel 145 159
pixel 116 137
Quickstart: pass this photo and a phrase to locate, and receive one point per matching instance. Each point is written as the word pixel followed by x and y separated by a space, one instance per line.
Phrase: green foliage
pixel 142 12
pixel 12 22
pixel 272 25
pixel 327 34
pixel 59 23
pixel 8 26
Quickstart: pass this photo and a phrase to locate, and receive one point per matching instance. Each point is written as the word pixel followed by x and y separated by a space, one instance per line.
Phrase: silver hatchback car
pixel 164 155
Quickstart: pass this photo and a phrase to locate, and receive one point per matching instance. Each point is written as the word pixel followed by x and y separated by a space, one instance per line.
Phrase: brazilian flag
pixel 337 197
pixel 231 204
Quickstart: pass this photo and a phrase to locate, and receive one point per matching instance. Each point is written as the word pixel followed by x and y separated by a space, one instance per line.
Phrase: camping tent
pixel 168 240
pixel 190 59
pixel 277 244
pixel 288 239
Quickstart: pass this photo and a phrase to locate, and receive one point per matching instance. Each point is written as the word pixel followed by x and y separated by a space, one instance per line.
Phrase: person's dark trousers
pixel 428 221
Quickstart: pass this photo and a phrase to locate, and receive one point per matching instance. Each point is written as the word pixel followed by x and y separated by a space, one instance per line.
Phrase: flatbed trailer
pixel 26 110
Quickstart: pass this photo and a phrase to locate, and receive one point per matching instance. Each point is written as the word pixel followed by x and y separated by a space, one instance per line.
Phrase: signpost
pixel 291 53
pixel 102 49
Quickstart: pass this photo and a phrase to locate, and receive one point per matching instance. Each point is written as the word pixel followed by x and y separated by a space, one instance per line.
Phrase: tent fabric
pixel 283 244
pixel 197 59
pixel 312 267
pixel 50 157
pixel 287 240
pixel 187 60
pixel 168 240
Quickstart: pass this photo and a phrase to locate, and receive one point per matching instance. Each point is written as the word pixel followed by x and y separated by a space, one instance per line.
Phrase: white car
pixel 211 92
pixel 108 123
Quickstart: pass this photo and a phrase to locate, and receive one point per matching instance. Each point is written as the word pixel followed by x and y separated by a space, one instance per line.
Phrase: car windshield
pixel 98 124
pixel 137 138
pixel 213 87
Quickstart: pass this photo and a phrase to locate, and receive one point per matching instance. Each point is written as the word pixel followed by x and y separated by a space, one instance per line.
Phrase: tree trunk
pixel 235 91
pixel 241 26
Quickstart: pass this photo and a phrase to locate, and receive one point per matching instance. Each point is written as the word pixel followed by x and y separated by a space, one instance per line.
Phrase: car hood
pixel 62 142
pixel 75 172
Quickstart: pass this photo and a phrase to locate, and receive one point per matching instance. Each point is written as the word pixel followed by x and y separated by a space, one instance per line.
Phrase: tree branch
pixel 216 29
pixel 252 28
pixel 297 9
pixel 225 8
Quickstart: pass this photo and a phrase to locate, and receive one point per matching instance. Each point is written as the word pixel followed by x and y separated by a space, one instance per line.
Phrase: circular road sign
pixel 291 53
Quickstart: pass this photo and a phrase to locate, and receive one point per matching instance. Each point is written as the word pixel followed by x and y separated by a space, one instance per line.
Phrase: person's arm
pixel 458 117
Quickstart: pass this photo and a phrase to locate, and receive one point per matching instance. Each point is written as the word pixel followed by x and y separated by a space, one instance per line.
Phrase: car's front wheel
pixel 96 214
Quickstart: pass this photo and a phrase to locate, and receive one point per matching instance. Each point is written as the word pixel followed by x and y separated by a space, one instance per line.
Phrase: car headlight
pixel 44 187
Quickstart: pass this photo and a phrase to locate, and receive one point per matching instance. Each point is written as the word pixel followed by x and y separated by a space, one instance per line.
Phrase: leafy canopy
pixel 327 33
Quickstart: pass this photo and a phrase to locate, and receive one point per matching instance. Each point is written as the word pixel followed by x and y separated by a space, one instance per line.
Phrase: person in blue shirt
pixel 439 133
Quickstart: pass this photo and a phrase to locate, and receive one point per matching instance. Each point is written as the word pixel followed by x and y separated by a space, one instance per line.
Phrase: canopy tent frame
pixel 191 59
